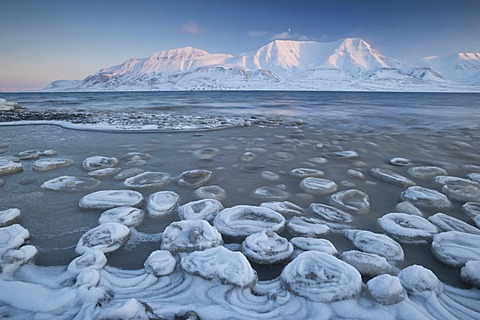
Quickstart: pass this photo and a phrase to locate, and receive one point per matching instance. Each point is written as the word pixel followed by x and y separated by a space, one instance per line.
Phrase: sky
pixel 46 40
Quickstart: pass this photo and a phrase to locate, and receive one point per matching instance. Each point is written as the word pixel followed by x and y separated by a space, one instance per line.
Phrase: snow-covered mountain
pixel 347 64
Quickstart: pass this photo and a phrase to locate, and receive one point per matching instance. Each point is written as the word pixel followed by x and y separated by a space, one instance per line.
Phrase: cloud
pixel 190 27
pixel 258 33
pixel 288 35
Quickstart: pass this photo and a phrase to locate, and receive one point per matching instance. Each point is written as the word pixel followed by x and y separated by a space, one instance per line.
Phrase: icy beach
pixel 269 216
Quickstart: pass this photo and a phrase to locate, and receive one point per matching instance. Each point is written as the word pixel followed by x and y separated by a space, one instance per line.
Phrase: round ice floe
pixel 207 153
pixel 418 280
pixel 51 163
pixel 465 190
pixel 330 213
pixel 8 166
pixel 162 203
pixel 270 176
pixel 106 199
pixel 355 174
pixel 269 194
pixel 303 173
pixel 49 152
pixel 470 273
pixel 407 228
pixel 426 198
pixel 99 162
pixel 132 156
pixel 104 172
pixel 448 223
pixel 222 264
pixel 318 186
pixel 342 155
pixel 70 183
pixel 160 263
pixel 353 201
pixel 21 256
pixel 12 237
pixel 307 227
pixel 90 259
pixel 426 172
pixel 321 277
pixel 376 243
pixel 129 216
pixel 128 173
pixel 29 154
pixel 210 192
pixel 312 244
pixel 285 208
pixel 281 156
pixel 194 178
pixel 248 156
pixel 366 263
pixel 386 289
pixel 126 309
pixel 190 235
pixel 456 248
pixel 266 247
pixel 242 220
pixel 474 177
pixel 392 177
pixel 9 217
pixel 205 209
pixel 106 237
pixel 402 162
pixel 148 180
pixel 407 207
pixel 472 209
pixel 443 180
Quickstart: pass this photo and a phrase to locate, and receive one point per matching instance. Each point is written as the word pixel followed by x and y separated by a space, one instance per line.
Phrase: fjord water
pixel 430 129
pixel 343 110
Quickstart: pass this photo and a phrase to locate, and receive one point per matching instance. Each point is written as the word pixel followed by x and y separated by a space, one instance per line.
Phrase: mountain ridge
pixel 349 64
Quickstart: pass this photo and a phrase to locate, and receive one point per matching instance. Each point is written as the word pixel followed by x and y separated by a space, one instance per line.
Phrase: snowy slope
pixel 347 64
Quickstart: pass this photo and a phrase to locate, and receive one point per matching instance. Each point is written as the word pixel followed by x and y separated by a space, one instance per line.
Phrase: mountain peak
pixel 183 52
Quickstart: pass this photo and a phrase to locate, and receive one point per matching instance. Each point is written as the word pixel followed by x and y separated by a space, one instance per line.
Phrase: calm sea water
pixel 346 110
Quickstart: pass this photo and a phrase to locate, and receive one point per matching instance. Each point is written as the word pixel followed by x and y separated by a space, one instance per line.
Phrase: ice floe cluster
pixel 209 255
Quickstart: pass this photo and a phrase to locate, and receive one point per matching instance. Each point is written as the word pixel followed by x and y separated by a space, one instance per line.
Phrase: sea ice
pixel 321 277
pixel 366 263
pixel 269 194
pixel 98 162
pixel 220 263
pixel 470 273
pixel 9 217
pixel 307 227
pixel 127 309
pixel 426 172
pixel 243 220
pixel 456 248
pixel 106 199
pixel 148 179
pixel 341 155
pixel 353 201
pixel 376 243
pixel 210 192
pixel 132 156
pixel 51 164
pixel 18 257
pixel 447 223
pixel 418 280
pixel 105 172
pixel 29 154
pixel 474 177
pixel 407 228
pixel 128 173
pixel 194 178
pixel 106 237
pixel 70 183
pixel 190 235
pixel 204 209
pixel 12 237
pixel 402 162
pixel 312 244
pixel 9 166
pixel 207 153
pixel 162 203
pixel 472 209
pixel 318 186
pixel 285 208
pixel 303 173
pixel 160 263
pixel 465 190
pixel 392 177
pixel 95 259
pixel 407 207
pixel 386 289
pixel 330 213
pixel 266 247
pixel 426 198
pixel 129 216
pixel 270 176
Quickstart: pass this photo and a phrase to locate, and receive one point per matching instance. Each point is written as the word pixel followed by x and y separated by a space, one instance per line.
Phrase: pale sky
pixel 46 40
